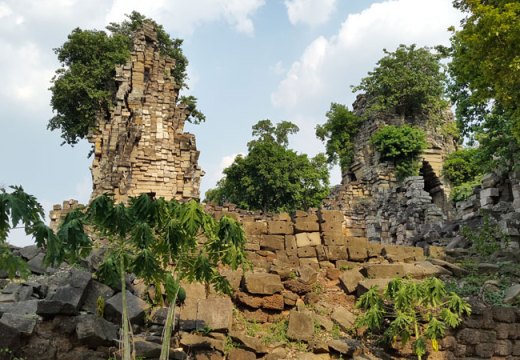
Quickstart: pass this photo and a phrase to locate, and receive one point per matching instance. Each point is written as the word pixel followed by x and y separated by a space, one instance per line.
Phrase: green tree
pixel 485 78
pixel 402 146
pixel 408 82
pixel 84 87
pixel 462 166
pixel 338 133
pixel 19 209
pixel 162 242
pixel 272 177
pixel 410 309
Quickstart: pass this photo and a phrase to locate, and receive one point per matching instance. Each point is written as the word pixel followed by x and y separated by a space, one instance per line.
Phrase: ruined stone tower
pixel 379 207
pixel 141 147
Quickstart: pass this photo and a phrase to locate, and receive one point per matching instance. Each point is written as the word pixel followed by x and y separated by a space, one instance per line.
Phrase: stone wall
pixel 141 146
pixel 490 333
pixel 374 201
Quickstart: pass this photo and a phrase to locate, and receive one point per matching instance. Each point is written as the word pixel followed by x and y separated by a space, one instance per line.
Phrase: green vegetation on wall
pixel 408 82
pixel 338 133
pixel 272 177
pixel 83 87
pixel 402 146
pixel 463 170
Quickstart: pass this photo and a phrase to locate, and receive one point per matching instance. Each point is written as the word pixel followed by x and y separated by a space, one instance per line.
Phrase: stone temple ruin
pixel 141 146
pixel 375 204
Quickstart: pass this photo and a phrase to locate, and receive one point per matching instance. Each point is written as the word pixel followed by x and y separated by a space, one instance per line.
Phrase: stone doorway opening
pixel 433 185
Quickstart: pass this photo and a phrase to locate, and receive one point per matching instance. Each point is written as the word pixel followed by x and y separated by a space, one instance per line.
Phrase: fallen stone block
pixel 262 283
pixel 95 331
pixel 136 308
pixel 300 326
pixel 350 279
pixel 343 317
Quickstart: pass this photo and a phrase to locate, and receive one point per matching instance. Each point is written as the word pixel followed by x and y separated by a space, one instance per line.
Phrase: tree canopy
pixel 338 133
pixel 272 177
pixel 485 76
pixel 408 82
pixel 84 86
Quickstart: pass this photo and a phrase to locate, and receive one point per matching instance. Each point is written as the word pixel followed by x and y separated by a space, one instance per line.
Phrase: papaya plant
pixel 409 309
pixel 162 242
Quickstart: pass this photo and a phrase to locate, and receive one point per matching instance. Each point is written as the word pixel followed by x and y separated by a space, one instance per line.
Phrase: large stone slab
pixel 95 331
pixel 262 283
pixel 301 326
pixel 136 308
pixel 308 239
pixel 94 291
pixel 350 279
pixel 343 317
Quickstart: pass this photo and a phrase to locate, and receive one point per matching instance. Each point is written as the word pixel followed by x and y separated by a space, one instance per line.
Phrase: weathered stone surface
pixel 241 354
pixel 308 239
pixel 345 346
pixel 95 290
pixel 307 251
pixel 147 349
pixel 366 284
pixel 272 242
pixel 29 252
pixel 136 308
pixel 512 294
pixel 215 313
pixel 350 280
pixel 455 269
pixel 262 283
pixel 357 248
pixel 383 271
pixel 306 226
pixel 249 342
pixel 280 227
pixel 343 317
pixel 21 324
pixel 298 287
pixel 301 326
pixel 402 253
pixel 255 227
pixel 201 342
pixel 95 331
pixel 335 252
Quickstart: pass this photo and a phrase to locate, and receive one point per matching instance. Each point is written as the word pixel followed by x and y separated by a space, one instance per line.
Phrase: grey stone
pixel 95 290
pixel 66 299
pixel 21 324
pixel 344 346
pixel 15 292
pixel 95 331
pixel 29 252
pixel 512 294
pixel 36 264
pixel 301 326
pixel 262 283
pixel 136 308
pixel 27 307
pixel 146 349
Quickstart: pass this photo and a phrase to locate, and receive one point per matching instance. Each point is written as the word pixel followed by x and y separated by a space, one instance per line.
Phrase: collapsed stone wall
pixel 141 146
pixel 372 199
pixel 498 197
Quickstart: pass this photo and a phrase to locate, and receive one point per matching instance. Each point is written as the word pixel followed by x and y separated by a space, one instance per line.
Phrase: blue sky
pixel 249 60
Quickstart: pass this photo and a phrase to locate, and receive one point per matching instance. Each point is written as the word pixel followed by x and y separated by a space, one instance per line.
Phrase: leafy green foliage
pixel 272 177
pixel 162 242
pixel 487 238
pixel 83 87
pixel 17 208
pixel 401 145
pixel 465 190
pixel 461 166
pixel 408 82
pixel 485 75
pixel 338 133
pixel 410 309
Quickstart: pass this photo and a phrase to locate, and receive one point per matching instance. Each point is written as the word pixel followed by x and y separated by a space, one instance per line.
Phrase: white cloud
pixel 225 162
pixel 5 10
pixel 182 17
pixel 309 12
pixel 329 66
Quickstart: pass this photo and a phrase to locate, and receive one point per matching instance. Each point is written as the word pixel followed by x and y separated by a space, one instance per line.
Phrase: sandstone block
pixel 343 317
pixel 280 227
pixel 301 326
pixel 255 227
pixel 334 238
pixel 308 239
pixel 350 280
pixel 397 253
pixel 357 248
pixel 272 242
pixel 307 252
pixel 330 216
pixel 337 252
pixel 306 226
pixel 290 245
pixel 262 283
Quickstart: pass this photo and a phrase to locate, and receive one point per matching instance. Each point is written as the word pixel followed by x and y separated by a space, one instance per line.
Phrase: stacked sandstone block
pixel 141 146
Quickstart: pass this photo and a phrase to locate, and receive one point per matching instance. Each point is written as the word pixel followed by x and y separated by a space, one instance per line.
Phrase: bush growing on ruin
pixel 83 87
pixel 408 82
pixel 412 310
pixel 338 133
pixel 272 177
pixel 402 146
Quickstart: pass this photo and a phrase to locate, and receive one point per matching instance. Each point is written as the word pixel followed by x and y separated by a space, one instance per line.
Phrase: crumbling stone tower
pixel 141 146
pixel 379 207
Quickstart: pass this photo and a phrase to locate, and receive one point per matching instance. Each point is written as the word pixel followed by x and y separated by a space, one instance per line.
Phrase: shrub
pixel 410 309
pixel 401 145
pixel 461 166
